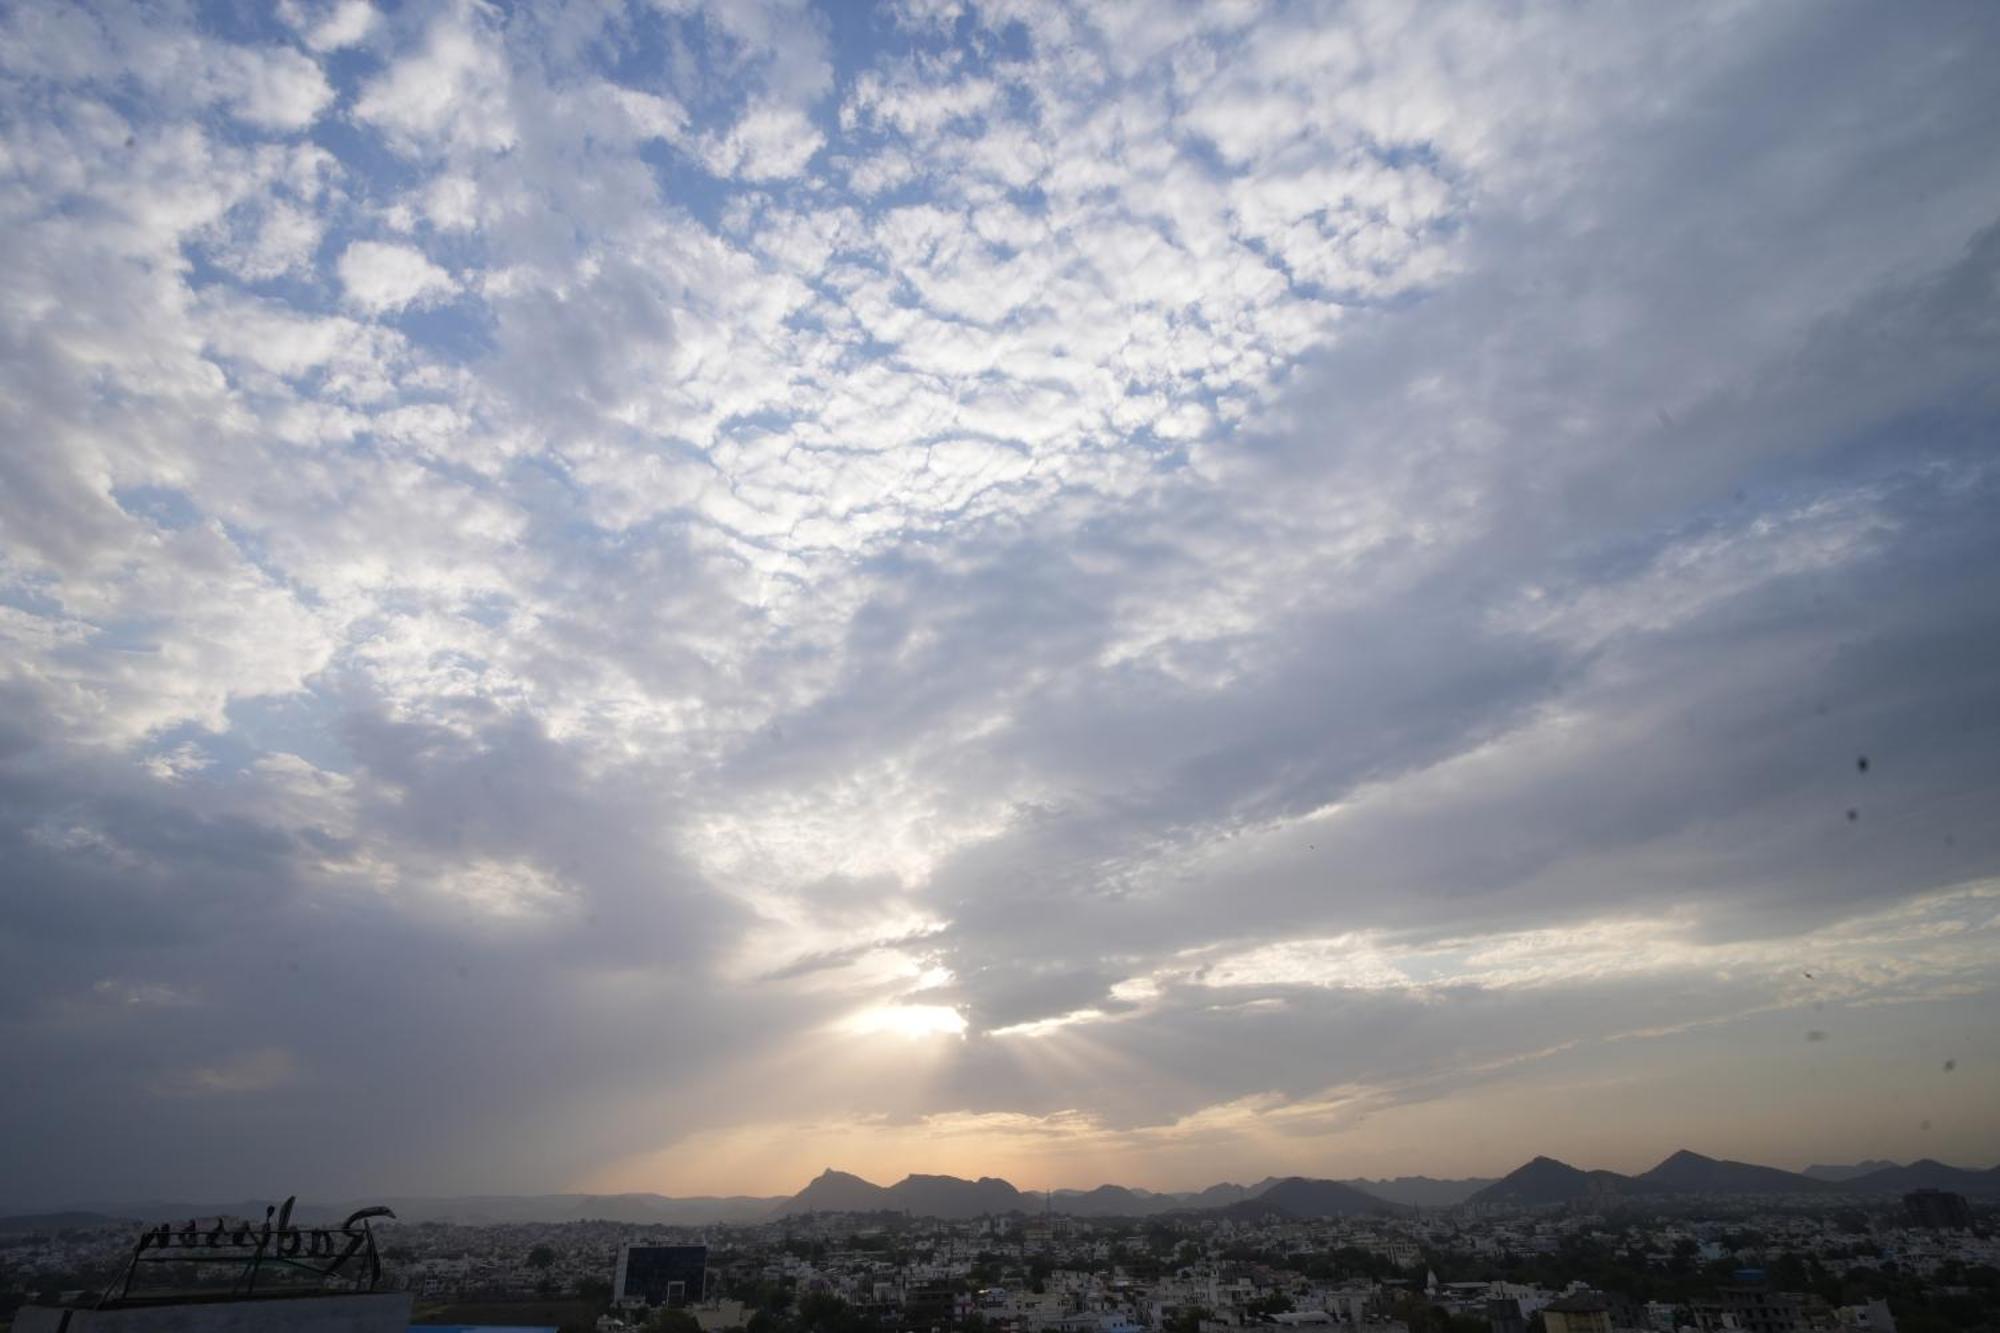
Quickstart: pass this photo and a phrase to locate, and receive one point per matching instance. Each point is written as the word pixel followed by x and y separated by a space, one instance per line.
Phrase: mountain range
pixel 1541 1182
pixel 950 1197
pixel 1822 1171
pixel 1546 1181
pixel 1296 1196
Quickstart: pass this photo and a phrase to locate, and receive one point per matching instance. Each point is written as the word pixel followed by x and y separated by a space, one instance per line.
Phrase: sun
pixel 911 1021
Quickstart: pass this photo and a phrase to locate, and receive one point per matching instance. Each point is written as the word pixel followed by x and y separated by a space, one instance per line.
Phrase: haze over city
pixel 660 597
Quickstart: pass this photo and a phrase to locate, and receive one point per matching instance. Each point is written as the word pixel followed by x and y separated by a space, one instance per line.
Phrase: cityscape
pixel 1696 1245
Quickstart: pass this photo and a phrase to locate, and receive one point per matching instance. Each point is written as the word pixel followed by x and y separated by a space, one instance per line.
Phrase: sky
pixel 648 596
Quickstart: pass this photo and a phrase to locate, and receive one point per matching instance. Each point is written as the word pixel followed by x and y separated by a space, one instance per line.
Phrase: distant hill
pixel 1927 1174
pixel 922 1196
pixel 1422 1191
pixel 1546 1181
pixel 834 1191
pixel 69 1221
pixel 1690 1173
pixel 1111 1201
pixel 954 1197
pixel 658 1210
pixel 1541 1182
pixel 1836 1174
pixel 1297 1196
pixel 951 1197
pixel 496 1209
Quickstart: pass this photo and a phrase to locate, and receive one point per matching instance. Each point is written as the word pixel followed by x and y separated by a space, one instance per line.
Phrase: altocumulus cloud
pixel 653 598
pixel 380 278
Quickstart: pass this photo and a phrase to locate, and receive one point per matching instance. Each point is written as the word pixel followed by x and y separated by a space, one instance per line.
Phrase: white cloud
pixel 768 143
pixel 379 277
pixel 346 24
pixel 274 89
pixel 452 203
pixel 451 93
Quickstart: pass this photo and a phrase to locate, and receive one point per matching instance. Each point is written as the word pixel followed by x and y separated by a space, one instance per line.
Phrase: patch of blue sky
pixel 457 248
pixel 245 25
pixel 253 548
pixel 547 467
pixel 348 68
pixel 163 506
pixel 306 723
pixel 640 47
pixel 221 753
pixel 31 593
pixel 138 635
pixel 462 331
pixel 312 292
pixel 687 184
pixel 1420 153
pixel 491 609
pixel 860 35
pixel 689 57
pixel 921 188
pixel 371 171
pixel 1162 455
pixel 763 422
pixel 264 26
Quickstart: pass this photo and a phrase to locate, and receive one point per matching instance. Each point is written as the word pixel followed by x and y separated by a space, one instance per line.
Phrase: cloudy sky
pixel 638 596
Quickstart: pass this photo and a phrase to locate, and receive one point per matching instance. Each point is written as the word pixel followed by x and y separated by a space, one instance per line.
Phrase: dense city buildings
pixel 1806 1263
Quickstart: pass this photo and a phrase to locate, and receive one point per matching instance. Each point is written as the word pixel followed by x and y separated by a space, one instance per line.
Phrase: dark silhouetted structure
pixel 669 1275
pixel 1585 1312
pixel 1758 1309
pixel 1940 1210
pixel 1503 1315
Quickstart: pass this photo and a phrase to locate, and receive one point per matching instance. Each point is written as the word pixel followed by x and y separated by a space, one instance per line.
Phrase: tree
pixel 827 1313
pixel 666 1319
pixel 1419 1315
pixel 541 1257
